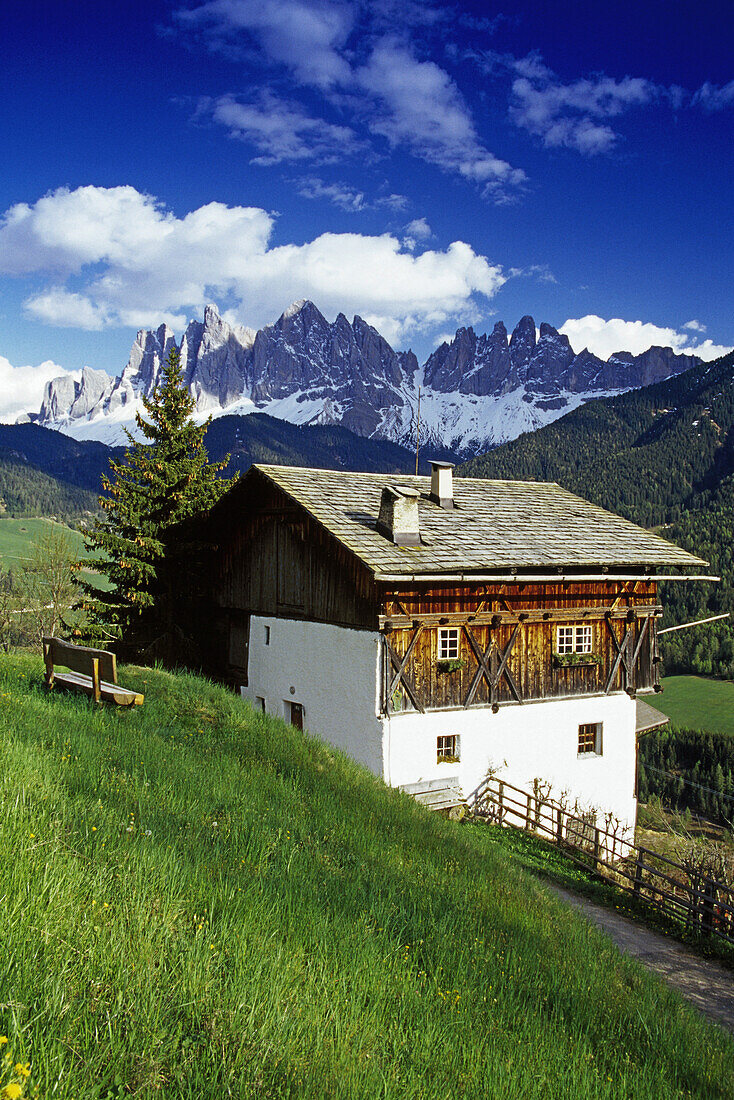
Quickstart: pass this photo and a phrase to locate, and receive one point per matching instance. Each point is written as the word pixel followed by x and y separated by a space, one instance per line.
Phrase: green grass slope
pixel 200 902
pixel 18 535
pixel 698 703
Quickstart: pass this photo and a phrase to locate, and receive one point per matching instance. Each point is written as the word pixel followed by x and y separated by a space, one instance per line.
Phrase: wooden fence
pixel 692 899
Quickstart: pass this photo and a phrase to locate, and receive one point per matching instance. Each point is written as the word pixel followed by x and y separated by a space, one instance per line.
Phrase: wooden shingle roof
pixel 495 526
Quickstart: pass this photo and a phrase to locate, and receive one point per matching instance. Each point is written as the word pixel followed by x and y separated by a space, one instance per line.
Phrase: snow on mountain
pixel 476 392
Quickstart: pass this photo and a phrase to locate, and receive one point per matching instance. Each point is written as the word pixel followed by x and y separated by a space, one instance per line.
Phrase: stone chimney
pixel 398 518
pixel 442 484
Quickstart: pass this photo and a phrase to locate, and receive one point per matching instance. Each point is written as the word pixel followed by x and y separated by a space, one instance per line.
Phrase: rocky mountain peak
pixel 478 390
pixel 522 342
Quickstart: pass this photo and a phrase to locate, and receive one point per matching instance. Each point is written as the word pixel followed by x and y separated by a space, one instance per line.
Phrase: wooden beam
pixel 490 668
pixel 401 678
pixel 495 618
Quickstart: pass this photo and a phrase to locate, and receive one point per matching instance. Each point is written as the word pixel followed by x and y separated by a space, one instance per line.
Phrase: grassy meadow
pixel 695 702
pixel 201 902
pixel 16 536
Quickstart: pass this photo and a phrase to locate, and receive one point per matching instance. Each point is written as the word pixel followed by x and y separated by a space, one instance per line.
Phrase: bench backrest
pixel 80 658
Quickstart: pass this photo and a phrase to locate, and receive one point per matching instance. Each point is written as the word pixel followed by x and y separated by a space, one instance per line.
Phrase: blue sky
pixel 423 164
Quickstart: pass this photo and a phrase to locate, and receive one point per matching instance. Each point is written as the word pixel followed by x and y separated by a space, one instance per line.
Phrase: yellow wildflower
pixel 3 1040
pixel 23 1070
pixel 12 1091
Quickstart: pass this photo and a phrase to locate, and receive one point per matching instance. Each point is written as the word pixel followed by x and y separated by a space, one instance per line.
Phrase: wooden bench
pixel 436 794
pixel 93 671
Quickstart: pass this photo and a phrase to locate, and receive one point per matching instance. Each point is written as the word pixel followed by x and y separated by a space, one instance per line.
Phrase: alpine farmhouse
pixel 434 627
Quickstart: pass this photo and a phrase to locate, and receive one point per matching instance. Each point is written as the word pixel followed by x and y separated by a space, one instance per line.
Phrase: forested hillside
pixel 27 491
pixel 661 456
pixel 43 472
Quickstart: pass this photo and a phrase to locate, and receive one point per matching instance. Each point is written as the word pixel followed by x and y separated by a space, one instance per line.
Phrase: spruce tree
pixel 162 480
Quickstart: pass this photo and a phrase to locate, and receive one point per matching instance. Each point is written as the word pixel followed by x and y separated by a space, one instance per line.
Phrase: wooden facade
pixel 273 558
pixel 507 643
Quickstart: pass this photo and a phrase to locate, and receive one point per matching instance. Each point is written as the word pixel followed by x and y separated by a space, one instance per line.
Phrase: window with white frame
pixel 448 643
pixel 573 639
pixel 448 748
pixel 590 739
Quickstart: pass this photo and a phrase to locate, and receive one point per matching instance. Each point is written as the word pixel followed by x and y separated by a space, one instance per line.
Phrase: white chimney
pixel 398 518
pixel 442 484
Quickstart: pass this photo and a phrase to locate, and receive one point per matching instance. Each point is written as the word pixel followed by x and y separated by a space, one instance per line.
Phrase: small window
pixel 266 635
pixel 259 703
pixel 295 714
pixel 590 739
pixel 447 749
pixel 573 639
pixel 448 643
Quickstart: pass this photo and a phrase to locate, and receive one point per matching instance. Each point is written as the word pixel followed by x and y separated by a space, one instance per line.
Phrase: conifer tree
pixel 161 481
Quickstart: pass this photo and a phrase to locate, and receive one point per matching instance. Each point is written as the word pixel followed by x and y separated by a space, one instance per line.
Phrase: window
pixel 573 639
pixel 294 712
pixel 447 749
pixel 590 739
pixel 238 643
pixel 448 643
pixel 266 635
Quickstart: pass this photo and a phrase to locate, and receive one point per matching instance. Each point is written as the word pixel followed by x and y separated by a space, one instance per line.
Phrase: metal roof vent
pixel 442 484
pixel 398 518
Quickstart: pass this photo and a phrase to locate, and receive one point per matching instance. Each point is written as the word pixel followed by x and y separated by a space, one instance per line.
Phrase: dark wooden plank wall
pixel 276 560
pixel 530 662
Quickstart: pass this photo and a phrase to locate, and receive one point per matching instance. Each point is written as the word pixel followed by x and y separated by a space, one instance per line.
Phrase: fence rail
pixel 694 899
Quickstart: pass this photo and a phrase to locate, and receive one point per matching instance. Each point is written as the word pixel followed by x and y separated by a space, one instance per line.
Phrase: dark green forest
pixel 43 472
pixel 663 457
pixel 27 491
pixel 688 770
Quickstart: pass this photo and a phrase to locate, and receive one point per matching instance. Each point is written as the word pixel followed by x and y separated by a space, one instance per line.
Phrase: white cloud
pixel 21 388
pixel 420 107
pixel 342 195
pixel 712 98
pixel 305 36
pixel 419 228
pixel 281 130
pixel 603 338
pixel 573 115
pixel 413 104
pixel 165 267
pixel 695 326
pixel 415 232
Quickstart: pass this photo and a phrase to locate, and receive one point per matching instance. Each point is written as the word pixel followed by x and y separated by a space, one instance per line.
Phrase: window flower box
pixel 576 660
pixel 452 664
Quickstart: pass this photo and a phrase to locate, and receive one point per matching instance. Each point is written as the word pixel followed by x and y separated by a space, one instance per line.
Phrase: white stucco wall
pixel 524 742
pixel 333 672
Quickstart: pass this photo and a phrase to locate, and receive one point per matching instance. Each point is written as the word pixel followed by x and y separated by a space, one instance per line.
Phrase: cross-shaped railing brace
pixel 623 654
pixel 491 668
pixel 401 679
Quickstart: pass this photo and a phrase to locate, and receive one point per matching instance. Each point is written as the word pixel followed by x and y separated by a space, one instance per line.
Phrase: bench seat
pixel 112 693
pixel 87 667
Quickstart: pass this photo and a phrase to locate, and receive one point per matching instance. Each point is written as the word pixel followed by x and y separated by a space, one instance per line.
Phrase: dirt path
pixel 704 982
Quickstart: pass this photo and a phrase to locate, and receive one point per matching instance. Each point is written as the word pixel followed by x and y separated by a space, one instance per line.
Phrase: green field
pixel 16 535
pixel 695 702
pixel 199 901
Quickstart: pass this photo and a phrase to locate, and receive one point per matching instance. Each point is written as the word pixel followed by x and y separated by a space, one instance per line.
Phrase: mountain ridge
pixel 476 392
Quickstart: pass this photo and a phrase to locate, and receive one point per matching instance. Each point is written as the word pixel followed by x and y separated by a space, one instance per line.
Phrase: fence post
pixel 527 812
pixel 597 848
pixel 707 917
pixel 501 812
pixel 638 872
pixel 559 826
